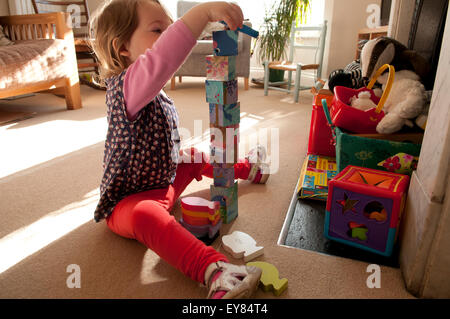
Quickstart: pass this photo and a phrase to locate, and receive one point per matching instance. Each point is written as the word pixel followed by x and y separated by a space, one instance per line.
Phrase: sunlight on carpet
pixel 27 240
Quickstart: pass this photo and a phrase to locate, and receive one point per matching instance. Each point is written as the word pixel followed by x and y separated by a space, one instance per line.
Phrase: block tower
pixel 224 111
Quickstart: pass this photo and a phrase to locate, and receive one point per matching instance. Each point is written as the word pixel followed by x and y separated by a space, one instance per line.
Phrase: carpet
pixel 46 220
pixel 8 117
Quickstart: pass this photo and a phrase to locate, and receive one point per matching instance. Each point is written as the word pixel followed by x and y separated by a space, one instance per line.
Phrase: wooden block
pixel 224 147
pixel 225 42
pixel 228 199
pixel 224 114
pixel 240 244
pixel 223 176
pixel 221 92
pixel 270 279
pixel 220 68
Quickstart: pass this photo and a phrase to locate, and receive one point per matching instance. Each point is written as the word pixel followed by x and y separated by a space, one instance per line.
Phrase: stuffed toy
pixel 385 50
pixel 350 76
pixel 406 101
pixel 362 101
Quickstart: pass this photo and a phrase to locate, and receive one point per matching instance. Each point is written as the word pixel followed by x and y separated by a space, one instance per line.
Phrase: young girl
pixel 140 48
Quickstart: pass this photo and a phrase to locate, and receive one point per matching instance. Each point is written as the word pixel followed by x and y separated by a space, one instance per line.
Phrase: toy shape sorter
pixel 201 217
pixel 364 208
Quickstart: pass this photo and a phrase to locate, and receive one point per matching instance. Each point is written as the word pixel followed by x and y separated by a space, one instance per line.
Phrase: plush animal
pixel 362 101
pixel 386 50
pixel 405 102
pixel 350 76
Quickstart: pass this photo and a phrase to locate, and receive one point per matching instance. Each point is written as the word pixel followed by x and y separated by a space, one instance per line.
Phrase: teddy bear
pixel 405 102
pixel 362 101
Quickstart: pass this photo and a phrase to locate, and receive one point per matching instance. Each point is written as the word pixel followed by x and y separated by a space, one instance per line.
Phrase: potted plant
pixel 276 31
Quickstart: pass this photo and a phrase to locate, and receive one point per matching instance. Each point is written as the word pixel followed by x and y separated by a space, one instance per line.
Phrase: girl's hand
pixel 197 18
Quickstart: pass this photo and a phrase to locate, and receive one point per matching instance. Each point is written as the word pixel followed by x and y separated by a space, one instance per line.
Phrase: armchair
pixel 195 64
pixel 42 58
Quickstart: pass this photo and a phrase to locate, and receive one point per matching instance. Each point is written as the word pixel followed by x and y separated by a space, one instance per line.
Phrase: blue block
pixel 225 42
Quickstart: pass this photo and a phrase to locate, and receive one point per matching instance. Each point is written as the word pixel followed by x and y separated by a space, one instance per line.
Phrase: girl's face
pixel 153 20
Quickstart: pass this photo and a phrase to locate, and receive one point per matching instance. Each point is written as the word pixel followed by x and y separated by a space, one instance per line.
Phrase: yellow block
pixel 270 279
pixel 201 214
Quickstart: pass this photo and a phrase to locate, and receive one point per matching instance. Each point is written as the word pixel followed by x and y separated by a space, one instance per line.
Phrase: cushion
pixel 3 39
pixel 33 61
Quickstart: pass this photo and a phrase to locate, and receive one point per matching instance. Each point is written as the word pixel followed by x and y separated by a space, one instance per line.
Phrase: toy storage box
pixel 368 150
pixel 364 208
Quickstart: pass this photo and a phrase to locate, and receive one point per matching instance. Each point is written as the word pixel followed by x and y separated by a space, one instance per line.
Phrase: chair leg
pixel 297 82
pixel 266 78
pixel 172 83
pixel 289 80
pixel 72 94
pixel 246 84
pixel 180 79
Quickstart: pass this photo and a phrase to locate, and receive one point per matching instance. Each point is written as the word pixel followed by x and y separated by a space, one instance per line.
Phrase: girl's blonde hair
pixel 111 27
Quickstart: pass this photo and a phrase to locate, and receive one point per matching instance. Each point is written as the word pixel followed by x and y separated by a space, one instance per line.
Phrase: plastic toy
pixel 358 121
pixel 201 217
pixel 240 244
pixel 270 280
pixel 320 136
pixel 364 208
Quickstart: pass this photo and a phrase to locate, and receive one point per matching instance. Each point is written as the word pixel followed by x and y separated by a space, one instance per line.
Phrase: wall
pixel 425 246
pixel 4 8
pixel 345 19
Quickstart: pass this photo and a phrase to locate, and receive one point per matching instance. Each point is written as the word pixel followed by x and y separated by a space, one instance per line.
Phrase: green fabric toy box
pixel 374 150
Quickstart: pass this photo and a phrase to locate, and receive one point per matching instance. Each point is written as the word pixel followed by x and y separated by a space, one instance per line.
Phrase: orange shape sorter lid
pixel 372 179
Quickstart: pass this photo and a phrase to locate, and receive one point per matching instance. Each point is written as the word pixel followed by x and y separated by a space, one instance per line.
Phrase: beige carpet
pixel 51 167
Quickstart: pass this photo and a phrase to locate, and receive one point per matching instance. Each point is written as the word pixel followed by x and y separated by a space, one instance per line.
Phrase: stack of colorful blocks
pixel 224 111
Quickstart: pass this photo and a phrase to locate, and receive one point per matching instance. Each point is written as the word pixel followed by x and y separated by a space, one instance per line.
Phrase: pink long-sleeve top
pixel 146 77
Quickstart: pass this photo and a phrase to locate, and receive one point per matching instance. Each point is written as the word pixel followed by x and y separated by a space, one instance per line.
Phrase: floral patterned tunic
pixel 139 155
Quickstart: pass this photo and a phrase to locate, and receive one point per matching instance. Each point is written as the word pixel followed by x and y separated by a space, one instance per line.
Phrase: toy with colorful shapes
pixel 225 42
pixel 228 199
pixel 220 68
pixel 224 114
pixel 270 278
pixel 200 216
pixel 240 244
pixel 364 208
pixel 221 92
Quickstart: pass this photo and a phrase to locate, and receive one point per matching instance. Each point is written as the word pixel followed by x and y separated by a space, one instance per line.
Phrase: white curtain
pixel 20 7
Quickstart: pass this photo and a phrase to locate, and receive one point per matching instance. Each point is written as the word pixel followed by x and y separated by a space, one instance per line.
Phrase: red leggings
pixel 146 217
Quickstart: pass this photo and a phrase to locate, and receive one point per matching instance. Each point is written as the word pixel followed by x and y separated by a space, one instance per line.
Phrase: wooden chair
pixel 80 18
pixel 290 67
